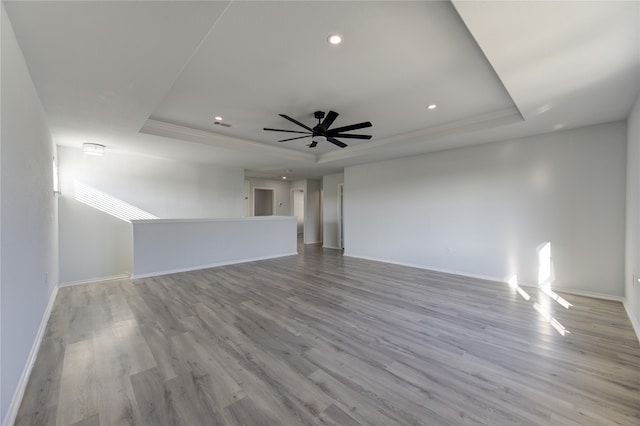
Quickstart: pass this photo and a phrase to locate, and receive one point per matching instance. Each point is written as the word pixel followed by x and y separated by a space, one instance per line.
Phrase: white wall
pixel 330 220
pixel 28 216
pixel 95 245
pixel 166 246
pixel 632 260
pixel 282 193
pixel 484 210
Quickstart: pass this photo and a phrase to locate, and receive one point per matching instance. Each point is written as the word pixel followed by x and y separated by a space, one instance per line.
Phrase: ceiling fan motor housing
pixel 323 129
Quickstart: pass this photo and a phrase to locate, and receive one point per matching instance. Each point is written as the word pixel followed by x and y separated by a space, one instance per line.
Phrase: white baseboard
pixel 496 279
pixel 12 412
pixel 430 268
pixel 634 321
pixel 96 280
pixel 588 294
pixel 210 265
pixel 331 247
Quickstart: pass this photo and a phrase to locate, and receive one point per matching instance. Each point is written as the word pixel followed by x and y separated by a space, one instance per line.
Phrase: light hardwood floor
pixel 320 338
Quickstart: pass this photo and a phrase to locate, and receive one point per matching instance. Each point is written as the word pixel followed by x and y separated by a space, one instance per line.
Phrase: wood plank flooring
pixel 319 338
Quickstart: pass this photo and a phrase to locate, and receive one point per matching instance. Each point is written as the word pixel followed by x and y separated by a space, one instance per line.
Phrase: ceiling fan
pixel 322 130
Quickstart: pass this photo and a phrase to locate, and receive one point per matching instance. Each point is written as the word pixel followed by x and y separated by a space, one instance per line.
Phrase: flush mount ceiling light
pixel 334 39
pixel 93 149
pixel 432 106
pixel 217 120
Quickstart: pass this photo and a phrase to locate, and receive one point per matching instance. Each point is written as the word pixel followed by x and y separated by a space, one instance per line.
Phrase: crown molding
pixel 175 131
pixel 430 134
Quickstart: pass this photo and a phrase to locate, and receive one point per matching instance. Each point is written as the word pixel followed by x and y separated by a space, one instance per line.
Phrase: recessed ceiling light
pixel 432 106
pixel 334 39
pixel 218 118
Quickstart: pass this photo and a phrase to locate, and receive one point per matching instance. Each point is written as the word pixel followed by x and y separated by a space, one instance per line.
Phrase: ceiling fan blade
pixel 348 136
pixel 291 139
pixel 336 142
pixel 282 130
pixel 362 125
pixel 313 144
pixel 328 120
pixel 296 121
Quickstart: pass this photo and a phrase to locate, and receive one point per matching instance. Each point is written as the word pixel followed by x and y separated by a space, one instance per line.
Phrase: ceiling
pixel 148 77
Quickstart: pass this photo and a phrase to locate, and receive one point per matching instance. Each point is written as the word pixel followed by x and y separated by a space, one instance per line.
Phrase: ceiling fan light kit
pixel 322 132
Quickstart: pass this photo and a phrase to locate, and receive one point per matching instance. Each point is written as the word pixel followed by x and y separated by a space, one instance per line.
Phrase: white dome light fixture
pixel 334 39
pixel 93 148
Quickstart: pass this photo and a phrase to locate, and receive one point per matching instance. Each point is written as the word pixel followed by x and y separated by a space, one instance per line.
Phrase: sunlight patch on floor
pixel 544 311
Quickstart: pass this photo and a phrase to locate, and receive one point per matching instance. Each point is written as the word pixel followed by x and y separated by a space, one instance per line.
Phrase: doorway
pixel 297 201
pixel 264 201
